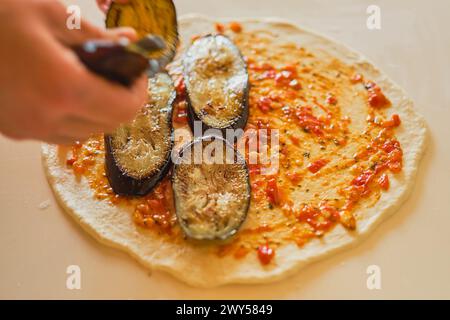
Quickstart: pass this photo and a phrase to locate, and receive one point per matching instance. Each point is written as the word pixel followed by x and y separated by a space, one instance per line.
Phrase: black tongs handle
pixel 120 61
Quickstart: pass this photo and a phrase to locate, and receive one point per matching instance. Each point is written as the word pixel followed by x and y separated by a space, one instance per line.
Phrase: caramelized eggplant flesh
pixel 156 17
pixel 211 189
pixel 217 83
pixel 138 153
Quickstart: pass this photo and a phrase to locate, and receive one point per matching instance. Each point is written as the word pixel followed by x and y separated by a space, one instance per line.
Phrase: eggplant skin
pixel 217 84
pixel 156 17
pixel 211 199
pixel 134 160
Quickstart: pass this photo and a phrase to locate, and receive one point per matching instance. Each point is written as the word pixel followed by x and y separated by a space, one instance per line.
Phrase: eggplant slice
pixel 156 17
pixel 212 196
pixel 138 154
pixel 217 84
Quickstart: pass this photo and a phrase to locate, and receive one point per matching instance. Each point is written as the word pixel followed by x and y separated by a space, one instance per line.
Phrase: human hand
pixel 46 93
pixel 104 4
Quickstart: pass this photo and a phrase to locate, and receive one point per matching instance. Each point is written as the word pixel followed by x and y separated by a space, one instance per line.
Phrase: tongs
pixel 123 61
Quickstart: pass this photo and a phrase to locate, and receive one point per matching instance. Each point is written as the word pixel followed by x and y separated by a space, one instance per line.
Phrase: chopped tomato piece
pixel 308 121
pixel 254 169
pixel 331 99
pixel 236 27
pixel 295 140
pixel 363 179
pixel 314 217
pixel 272 191
pixel 220 28
pixel 390 145
pixel 356 78
pixel 181 116
pixel 395 167
pixel 332 213
pixel 317 165
pixel 294 84
pixel 376 97
pixel 180 88
pixel 269 74
pixel 265 254
pixel 394 122
pixel 78 169
pixel 294 177
pixel 383 181
pixel 264 104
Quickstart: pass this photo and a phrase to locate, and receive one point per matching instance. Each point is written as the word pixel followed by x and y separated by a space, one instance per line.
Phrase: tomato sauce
pixel 303 98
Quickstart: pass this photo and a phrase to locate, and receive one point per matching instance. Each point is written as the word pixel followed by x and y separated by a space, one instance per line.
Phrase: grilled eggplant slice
pixel 212 196
pixel 216 79
pixel 137 154
pixel 156 17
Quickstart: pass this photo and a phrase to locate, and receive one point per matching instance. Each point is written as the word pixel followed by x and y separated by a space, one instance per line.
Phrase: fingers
pixel 56 19
pixel 121 32
pixel 104 4
pixel 60 140
pixel 101 117
pixel 88 103
pixel 73 128
pixel 105 102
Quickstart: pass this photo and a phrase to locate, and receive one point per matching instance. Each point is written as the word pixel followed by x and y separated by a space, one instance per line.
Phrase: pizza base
pixel 198 265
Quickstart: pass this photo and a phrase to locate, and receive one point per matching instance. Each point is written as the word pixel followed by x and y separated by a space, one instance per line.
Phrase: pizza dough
pixel 198 263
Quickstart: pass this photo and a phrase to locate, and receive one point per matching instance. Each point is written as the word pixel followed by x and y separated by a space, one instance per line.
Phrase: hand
pixel 104 4
pixel 45 92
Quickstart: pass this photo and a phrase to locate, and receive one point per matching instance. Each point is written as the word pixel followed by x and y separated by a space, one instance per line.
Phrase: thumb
pixel 57 19
pixel 104 4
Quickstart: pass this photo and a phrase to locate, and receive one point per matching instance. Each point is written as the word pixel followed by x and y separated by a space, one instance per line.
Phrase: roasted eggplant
pixel 217 84
pixel 156 17
pixel 211 189
pixel 138 154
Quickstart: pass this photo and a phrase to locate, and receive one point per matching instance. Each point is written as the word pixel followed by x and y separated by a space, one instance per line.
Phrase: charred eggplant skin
pixel 123 184
pixel 240 159
pixel 241 120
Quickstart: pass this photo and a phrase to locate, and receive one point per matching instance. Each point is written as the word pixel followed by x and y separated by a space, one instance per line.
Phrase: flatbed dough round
pixel 198 265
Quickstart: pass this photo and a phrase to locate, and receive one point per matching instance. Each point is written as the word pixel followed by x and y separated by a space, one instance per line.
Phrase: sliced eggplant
pixel 137 154
pixel 156 17
pixel 211 189
pixel 217 84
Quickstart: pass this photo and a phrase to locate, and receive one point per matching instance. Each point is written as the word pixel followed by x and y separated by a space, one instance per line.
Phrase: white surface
pixel 411 248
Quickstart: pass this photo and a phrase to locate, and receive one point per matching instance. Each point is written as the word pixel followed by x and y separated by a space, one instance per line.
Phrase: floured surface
pixel 113 225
